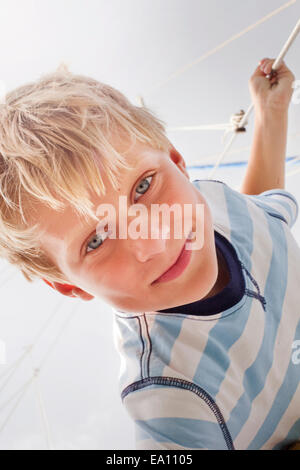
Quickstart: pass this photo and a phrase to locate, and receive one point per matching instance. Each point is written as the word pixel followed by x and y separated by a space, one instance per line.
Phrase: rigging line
pixel 221 156
pixel 28 348
pixel 215 155
pixel 237 150
pixel 207 127
pixel 281 55
pixel 59 303
pixel 65 324
pixel 41 406
pixel 230 142
pixel 287 45
pixel 13 366
pixel 26 385
pixel 223 44
pixel 203 127
pixel 14 394
pixel 16 404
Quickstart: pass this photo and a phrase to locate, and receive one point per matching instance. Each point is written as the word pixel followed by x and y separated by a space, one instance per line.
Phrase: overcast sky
pixel 135 46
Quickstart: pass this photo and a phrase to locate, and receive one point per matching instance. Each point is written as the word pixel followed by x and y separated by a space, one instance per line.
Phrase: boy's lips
pixel 177 267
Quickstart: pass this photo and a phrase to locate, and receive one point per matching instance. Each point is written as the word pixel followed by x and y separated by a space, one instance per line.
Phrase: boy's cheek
pixel 113 283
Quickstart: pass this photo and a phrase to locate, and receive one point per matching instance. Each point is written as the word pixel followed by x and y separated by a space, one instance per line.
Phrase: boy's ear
pixel 178 159
pixel 69 290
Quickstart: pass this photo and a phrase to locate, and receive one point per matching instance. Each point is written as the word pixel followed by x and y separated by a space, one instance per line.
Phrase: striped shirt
pixel 224 372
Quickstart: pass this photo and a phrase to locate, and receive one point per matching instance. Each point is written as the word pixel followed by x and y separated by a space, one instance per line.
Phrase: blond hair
pixel 51 132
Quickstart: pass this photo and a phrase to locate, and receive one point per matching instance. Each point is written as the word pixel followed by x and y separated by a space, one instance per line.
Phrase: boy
pixel 206 337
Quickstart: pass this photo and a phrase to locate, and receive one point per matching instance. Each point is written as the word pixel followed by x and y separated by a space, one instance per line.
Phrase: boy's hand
pixel 271 94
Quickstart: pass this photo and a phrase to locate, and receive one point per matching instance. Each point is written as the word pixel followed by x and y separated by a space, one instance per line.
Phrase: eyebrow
pixel 71 240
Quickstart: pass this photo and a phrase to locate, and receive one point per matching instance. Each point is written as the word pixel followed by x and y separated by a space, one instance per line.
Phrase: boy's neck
pixel 223 276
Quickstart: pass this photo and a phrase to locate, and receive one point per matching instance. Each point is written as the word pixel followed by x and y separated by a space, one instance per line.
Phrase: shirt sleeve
pixel 279 203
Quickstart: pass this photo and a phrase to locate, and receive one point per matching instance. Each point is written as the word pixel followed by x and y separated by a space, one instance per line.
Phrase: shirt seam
pixel 185 385
pixel 286 194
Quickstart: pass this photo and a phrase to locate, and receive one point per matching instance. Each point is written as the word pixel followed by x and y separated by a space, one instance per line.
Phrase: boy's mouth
pixel 177 268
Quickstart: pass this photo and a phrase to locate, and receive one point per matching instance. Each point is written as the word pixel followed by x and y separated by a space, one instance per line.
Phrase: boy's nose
pixel 147 248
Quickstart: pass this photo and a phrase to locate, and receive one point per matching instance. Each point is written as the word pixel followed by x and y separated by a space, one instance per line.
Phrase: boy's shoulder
pixel 224 200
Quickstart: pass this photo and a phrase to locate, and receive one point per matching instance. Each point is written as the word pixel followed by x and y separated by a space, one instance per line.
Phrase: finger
pixel 281 71
pixel 258 72
pixel 262 60
pixel 281 67
pixel 262 65
pixel 267 66
pixel 270 72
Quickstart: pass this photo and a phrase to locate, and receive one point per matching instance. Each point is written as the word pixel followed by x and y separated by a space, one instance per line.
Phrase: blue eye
pixel 143 187
pixel 98 239
pixel 94 240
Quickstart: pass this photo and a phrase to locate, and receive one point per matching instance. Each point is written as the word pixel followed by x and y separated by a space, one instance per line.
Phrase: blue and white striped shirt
pixel 224 372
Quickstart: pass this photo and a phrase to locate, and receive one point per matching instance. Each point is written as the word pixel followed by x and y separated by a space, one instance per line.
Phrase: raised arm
pixel 271 98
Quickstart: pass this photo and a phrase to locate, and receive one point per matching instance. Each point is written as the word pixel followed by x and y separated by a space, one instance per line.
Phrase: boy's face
pixel 121 271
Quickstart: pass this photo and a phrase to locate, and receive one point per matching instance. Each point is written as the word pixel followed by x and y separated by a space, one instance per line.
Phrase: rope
pixel 37 370
pixel 14 394
pixel 14 367
pixel 207 127
pixel 281 55
pixel 28 349
pixel 42 408
pixel 236 151
pixel 285 48
pixel 65 324
pixel 218 48
pixel 25 387
pixel 235 124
